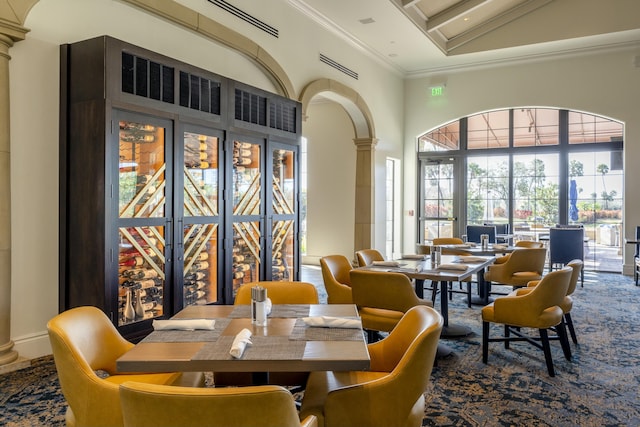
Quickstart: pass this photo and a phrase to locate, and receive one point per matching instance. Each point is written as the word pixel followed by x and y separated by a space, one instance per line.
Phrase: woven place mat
pixel 261 348
pixel 278 310
pixel 188 336
pixel 302 332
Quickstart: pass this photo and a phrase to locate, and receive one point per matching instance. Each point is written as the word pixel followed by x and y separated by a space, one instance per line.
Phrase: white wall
pixel 603 83
pixel 34 75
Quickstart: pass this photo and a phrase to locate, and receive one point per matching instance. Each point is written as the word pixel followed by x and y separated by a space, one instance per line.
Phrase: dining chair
pixel 520 244
pixel 474 232
pixel 85 346
pixel 279 293
pixel 538 309
pixel 566 244
pixel 337 282
pixel 522 266
pixel 391 393
pixel 368 256
pixel 636 257
pixel 150 405
pixel 382 299
pixel 567 304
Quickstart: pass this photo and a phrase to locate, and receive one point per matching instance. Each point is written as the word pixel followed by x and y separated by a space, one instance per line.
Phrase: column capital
pixel 365 144
pixel 11 32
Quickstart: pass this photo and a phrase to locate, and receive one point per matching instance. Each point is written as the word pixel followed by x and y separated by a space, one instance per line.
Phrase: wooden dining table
pixel 421 270
pixel 285 344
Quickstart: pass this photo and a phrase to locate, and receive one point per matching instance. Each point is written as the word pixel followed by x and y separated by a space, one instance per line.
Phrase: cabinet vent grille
pixel 238 13
pixel 147 78
pixel 282 116
pixel 199 93
pixel 330 62
pixel 251 108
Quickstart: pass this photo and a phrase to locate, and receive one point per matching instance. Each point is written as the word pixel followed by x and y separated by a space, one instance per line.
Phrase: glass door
pixel 142 217
pixel 199 222
pixel 438 215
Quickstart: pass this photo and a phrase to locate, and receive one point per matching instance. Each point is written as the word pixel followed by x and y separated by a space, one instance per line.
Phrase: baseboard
pixel 33 345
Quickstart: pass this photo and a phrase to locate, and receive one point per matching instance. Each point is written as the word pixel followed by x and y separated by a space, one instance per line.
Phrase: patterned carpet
pixel 598 388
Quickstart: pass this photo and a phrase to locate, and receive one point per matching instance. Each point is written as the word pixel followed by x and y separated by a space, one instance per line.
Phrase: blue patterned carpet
pixel 598 388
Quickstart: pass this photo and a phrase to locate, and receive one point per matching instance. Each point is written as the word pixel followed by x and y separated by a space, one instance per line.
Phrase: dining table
pixel 421 268
pixel 285 344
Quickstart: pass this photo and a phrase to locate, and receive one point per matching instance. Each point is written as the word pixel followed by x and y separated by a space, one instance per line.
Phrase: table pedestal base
pixel 478 300
pixel 455 331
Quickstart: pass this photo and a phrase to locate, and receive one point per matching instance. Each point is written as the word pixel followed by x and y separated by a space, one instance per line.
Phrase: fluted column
pixel 7 354
pixel 365 169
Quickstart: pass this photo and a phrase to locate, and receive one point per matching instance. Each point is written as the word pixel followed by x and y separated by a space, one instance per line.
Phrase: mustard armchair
pixel 383 298
pixel 85 341
pixel 368 256
pixel 519 244
pixel 391 393
pixel 280 292
pixel 335 274
pixel 538 309
pixel 522 266
pixel 150 405
pixel 567 304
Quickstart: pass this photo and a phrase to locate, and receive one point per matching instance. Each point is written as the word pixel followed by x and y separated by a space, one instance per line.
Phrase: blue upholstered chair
pixel 474 232
pixel 566 244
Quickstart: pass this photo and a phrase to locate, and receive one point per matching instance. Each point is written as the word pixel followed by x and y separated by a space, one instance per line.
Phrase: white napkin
pixel 332 322
pixel 457 267
pixel 414 256
pixel 184 324
pixel 498 246
pixel 387 263
pixel 240 342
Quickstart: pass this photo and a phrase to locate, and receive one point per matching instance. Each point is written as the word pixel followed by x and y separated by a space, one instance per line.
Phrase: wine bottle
pixel 242 267
pixel 195 276
pixel 135 261
pixel 141 273
pixel 238 275
pixel 238 258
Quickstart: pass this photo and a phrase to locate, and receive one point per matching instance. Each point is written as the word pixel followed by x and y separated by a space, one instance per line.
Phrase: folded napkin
pixel 332 322
pixel 495 246
pixel 470 258
pixel 240 342
pixel 469 245
pixel 184 324
pixel 387 263
pixel 414 256
pixel 456 267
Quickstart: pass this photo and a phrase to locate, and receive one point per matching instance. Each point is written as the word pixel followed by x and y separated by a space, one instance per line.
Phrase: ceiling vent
pixel 246 17
pixel 330 62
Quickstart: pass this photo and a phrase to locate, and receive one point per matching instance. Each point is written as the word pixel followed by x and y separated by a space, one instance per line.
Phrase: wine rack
pixel 177 185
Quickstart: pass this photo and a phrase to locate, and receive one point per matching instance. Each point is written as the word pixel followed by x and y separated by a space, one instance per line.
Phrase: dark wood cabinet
pixel 177 185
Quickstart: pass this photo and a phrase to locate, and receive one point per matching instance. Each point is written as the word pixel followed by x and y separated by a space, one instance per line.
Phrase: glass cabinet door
pixel 142 208
pixel 246 176
pixel 200 218
pixel 283 204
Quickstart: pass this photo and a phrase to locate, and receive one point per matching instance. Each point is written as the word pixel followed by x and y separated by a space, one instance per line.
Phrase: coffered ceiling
pixel 423 36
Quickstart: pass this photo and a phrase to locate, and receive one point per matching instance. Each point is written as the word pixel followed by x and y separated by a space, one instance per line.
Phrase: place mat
pixel 188 336
pixel 261 348
pixel 278 310
pixel 302 332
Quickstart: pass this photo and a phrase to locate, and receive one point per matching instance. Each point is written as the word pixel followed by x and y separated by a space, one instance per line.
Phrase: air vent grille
pixel 199 93
pixel 282 116
pixel 246 17
pixel 251 108
pixel 330 62
pixel 147 78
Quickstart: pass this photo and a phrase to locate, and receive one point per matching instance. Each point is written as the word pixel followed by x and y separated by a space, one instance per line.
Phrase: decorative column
pixel 365 169
pixel 7 354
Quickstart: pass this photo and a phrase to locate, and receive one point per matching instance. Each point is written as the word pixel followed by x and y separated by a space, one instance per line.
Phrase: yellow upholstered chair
pixel 383 298
pixel 522 266
pixel 84 342
pixel 368 256
pixel 422 249
pixel 147 405
pixel 538 309
pixel 335 274
pixel 567 303
pixel 391 393
pixel 519 244
pixel 280 292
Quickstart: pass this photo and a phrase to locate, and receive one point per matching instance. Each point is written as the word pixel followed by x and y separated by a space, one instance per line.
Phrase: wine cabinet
pixel 177 185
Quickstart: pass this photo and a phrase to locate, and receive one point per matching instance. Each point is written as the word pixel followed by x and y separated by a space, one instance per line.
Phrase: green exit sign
pixel 436 91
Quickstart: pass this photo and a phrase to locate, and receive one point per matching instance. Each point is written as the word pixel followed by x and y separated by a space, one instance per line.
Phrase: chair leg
pixel 507 333
pixel 434 292
pixel 564 340
pixel 572 331
pixel 544 339
pixel 485 342
pixel 468 294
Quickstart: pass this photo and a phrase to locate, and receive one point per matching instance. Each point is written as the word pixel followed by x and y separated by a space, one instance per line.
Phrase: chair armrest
pixel 309 421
